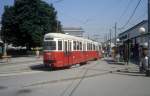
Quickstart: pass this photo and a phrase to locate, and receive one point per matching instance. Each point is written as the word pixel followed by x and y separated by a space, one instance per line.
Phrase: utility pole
pixel 110 37
pixel 115 34
pixel 148 69
pixel 110 41
pixel 106 37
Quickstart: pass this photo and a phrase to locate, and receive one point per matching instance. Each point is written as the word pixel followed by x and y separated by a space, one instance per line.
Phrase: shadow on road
pixel 41 67
pixel 129 73
pixel 114 62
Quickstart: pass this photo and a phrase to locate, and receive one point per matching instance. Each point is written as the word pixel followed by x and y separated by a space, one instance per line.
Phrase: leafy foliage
pixel 26 22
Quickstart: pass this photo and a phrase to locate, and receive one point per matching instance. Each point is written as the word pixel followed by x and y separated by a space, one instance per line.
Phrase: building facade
pixel 75 31
pixel 135 35
pixel 133 41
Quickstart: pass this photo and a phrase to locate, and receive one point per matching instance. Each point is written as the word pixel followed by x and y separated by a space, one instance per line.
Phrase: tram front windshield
pixel 50 45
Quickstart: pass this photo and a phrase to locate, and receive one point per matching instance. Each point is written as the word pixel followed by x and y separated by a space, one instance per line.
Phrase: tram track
pixel 59 80
pixel 80 80
pixel 79 77
pixel 74 82
pixel 66 79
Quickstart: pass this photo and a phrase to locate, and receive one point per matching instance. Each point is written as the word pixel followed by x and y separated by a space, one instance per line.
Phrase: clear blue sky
pixel 95 16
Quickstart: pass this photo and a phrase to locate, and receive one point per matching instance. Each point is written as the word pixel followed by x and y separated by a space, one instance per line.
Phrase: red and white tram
pixel 61 50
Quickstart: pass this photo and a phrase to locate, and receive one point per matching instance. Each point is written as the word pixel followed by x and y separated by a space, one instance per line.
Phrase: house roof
pixel 141 23
pixel 73 29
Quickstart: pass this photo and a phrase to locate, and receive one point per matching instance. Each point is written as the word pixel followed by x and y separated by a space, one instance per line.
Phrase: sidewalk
pixel 130 69
pixel 19 64
pixel 19 60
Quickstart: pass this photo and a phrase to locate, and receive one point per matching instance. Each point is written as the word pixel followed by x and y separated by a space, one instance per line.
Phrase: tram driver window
pixel 50 45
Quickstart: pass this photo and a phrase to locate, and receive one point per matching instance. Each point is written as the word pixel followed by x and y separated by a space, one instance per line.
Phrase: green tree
pixel 26 22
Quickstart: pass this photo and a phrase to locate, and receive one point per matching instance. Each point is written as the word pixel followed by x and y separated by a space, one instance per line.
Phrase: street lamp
pixel 118 39
pixel 141 66
pixel 142 30
pixel 117 46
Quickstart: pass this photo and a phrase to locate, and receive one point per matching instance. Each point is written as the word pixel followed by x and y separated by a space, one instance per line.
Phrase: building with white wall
pixel 75 31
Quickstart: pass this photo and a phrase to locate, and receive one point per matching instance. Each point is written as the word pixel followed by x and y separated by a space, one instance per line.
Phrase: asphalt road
pixel 97 78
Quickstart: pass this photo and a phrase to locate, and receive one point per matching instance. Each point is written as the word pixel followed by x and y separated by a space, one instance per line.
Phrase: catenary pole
pixel 115 34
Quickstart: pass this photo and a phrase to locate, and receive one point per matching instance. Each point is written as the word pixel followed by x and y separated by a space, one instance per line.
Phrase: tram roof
pixel 66 36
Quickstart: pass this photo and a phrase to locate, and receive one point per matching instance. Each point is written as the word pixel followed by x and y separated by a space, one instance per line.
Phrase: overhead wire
pixel 143 15
pixel 139 18
pixel 126 9
pixel 131 15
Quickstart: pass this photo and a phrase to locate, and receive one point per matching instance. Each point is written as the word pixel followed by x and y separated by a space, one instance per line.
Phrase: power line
pixel 140 18
pixel 126 9
pixel 131 14
pixel 143 16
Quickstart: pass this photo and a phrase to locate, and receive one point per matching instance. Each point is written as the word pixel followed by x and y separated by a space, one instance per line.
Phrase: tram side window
pixel 77 45
pixel 84 47
pixel 65 46
pixel 88 46
pixel 50 45
pixel 59 45
pixel 99 47
pixel 70 44
pixel 80 45
pixel 94 47
pixel 91 47
pixel 74 45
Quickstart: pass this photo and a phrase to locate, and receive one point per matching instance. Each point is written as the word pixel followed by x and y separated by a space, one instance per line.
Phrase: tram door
pixel 67 51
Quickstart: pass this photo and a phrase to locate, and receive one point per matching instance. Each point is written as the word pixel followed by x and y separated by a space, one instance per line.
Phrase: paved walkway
pixel 16 60
pixel 105 65
pixel 124 69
